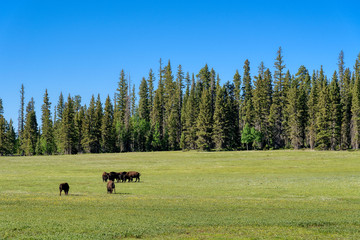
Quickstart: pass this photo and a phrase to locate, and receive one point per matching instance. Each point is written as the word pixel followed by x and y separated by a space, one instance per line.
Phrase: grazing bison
pixel 122 176
pixel 105 176
pixel 65 187
pixel 110 186
pixel 132 174
pixel 115 176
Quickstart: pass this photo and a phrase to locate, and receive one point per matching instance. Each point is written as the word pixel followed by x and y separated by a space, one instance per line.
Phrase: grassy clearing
pixel 186 195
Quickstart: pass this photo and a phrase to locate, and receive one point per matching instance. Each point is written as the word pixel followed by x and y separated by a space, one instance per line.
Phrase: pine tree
pixel 192 111
pixel 218 134
pixel 231 127
pixel 144 107
pixel 204 124
pixel 355 107
pixel 21 116
pixel 203 79
pixel 292 111
pixel 169 93
pixel 335 113
pixel 97 125
pixel 346 99
pixel 276 118
pixel 121 98
pixel 134 109
pixel 313 110
pixel 183 143
pixel 246 98
pixel 60 107
pixel 2 130
pixel 47 143
pixel 108 128
pixel 68 137
pixel 89 132
pixel 157 118
pixel 150 83
pixel 237 92
pixel 30 129
pixel 57 123
pixel 262 101
pixel 10 138
pixel 323 119
pixel 79 128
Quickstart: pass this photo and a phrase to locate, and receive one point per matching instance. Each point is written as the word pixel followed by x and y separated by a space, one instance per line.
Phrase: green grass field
pixel 183 195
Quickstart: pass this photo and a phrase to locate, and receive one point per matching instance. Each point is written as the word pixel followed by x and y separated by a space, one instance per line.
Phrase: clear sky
pixel 80 47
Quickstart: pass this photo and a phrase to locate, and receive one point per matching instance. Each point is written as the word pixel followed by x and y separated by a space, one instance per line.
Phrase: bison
pixel 110 186
pixel 65 187
pixel 114 176
pixel 122 176
pixel 132 174
pixel 105 176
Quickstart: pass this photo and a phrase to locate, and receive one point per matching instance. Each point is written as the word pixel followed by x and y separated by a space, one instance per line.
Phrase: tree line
pixel 268 111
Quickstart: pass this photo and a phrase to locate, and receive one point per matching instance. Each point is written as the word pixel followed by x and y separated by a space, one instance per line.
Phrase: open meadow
pixel 183 195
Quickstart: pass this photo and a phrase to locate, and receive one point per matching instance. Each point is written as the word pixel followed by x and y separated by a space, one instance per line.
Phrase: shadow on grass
pixel 122 193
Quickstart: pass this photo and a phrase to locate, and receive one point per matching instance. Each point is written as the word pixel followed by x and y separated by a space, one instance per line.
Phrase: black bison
pixel 105 176
pixel 110 186
pixel 65 187
pixel 122 176
pixel 132 174
pixel 115 176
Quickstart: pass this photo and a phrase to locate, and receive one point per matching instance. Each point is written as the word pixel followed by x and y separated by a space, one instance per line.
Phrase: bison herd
pixel 121 176
pixel 118 176
pixel 110 179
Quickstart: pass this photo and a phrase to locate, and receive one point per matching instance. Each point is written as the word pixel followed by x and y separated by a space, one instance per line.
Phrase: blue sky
pixel 80 47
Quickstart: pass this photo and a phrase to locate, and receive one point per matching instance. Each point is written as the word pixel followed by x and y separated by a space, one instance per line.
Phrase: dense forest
pixel 268 111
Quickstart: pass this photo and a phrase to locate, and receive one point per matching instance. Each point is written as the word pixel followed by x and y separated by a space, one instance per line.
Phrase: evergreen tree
pixel 150 83
pixel 346 99
pixel 313 110
pixel 157 118
pixel 133 102
pixel 108 128
pixel 21 116
pixel 60 107
pixel 89 140
pixel 169 93
pixel 191 117
pixel 246 98
pixel 262 101
pixel 121 98
pixel 335 113
pixel 218 136
pixel 204 124
pixel 98 125
pixel 30 129
pixel 292 111
pixel 355 107
pixel 10 138
pixel 57 123
pixel 237 92
pixel 47 143
pixel 276 118
pixel 79 128
pixel 204 79
pixel 183 143
pixel 144 106
pixel 68 137
pixel 323 118
pixel 2 130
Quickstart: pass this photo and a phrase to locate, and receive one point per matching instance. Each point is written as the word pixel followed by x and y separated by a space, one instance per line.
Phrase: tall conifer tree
pixel 335 113
pixel 47 136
